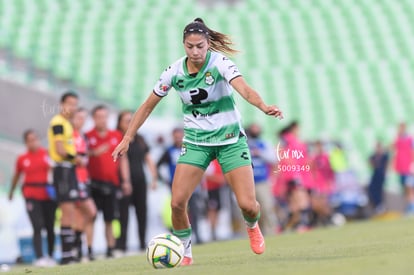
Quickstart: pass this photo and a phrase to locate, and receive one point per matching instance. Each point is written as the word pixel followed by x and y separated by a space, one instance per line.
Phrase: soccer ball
pixel 165 251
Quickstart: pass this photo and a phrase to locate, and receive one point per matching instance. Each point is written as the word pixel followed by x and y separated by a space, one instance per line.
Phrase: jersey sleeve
pixel 164 84
pixel 228 69
pixel 57 129
pixel 19 165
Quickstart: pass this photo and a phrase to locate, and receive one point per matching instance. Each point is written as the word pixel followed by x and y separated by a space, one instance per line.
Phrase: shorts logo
pixel 209 78
pixel 183 150
pixel 244 155
pixel 73 194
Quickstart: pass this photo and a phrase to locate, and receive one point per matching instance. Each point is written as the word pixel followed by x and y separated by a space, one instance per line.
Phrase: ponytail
pixel 219 42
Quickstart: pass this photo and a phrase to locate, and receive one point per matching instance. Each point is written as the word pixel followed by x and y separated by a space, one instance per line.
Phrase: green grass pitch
pixel 374 247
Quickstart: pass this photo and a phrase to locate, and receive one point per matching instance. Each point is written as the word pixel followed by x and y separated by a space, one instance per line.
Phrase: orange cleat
pixel 187 261
pixel 257 242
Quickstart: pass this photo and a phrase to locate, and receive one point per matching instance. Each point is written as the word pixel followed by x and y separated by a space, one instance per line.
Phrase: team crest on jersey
pixel 209 78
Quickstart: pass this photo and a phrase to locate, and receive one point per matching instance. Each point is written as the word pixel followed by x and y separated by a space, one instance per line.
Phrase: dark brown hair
pixel 98 108
pixel 27 133
pixel 68 94
pixel 219 42
pixel 120 117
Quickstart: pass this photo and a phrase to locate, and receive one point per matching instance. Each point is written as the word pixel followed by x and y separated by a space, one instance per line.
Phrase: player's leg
pixel 140 204
pixel 99 202
pixel 85 216
pixel 49 213
pixel 90 205
pixel 66 185
pixel 192 163
pixel 34 210
pixel 123 204
pixel 213 210
pixel 235 161
pixel 109 209
pixel 186 179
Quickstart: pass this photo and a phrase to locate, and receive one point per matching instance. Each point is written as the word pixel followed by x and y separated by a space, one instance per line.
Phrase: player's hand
pixel 154 184
pixel 126 188
pixel 121 149
pixel 81 161
pixel 272 110
pixel 101 149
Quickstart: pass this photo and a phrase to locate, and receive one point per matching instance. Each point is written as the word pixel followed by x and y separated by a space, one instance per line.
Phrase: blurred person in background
pixel 85 209
pixel 171 154
pixel 293 171
pixel 214 182
pixel 323 187
pixel 403 161
pixel 62 151
pixel 378 162
pixel 138 156
pixel 34 164
pixel 170 158
pixel 264 160
pixel 107 177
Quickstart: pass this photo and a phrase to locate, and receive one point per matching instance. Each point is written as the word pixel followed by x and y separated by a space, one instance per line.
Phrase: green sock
pixel 251 222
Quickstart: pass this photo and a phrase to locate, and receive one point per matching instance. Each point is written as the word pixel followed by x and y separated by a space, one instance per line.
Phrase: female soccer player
pixel 212 127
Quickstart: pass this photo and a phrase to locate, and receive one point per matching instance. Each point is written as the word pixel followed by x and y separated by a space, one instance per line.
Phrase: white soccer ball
pixel 165 251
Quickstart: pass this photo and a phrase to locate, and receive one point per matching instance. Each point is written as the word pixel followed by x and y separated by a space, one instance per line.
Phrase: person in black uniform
pixel 138 157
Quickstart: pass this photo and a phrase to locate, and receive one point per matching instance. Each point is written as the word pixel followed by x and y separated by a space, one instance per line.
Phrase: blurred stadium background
pixel 343 68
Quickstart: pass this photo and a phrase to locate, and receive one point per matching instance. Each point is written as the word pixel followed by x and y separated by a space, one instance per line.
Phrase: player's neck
pixel 193 68
pixel 101 131
pixel 65 115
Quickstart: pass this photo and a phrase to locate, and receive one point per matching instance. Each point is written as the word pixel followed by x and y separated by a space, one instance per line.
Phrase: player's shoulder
pixel 42 151
pixel 90 133
pixel 218 58
pixel 57 119
pixel 176 66
pixel 60 120
pixel 115 133
pixel 22 157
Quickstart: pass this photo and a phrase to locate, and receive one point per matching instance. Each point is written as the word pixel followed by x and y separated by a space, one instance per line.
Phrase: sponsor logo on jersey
pixel 198 114
pixel 209 78
pixel 230 135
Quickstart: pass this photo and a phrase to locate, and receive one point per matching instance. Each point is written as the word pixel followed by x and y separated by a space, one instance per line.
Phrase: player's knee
pixel 178 206
pixel 250 207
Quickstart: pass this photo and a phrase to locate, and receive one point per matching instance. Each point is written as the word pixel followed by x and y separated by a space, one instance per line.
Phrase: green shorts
pixel 230 156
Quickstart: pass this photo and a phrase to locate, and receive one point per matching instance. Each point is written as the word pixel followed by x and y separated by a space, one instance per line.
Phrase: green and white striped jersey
pixel 210 114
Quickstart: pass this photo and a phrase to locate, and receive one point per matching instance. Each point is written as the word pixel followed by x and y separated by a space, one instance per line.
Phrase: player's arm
pixel 153 170
pixel 59 146
pixel 15 180
pixel 251 96
pixel 137 120
pixel 124 171
pixel 141 115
